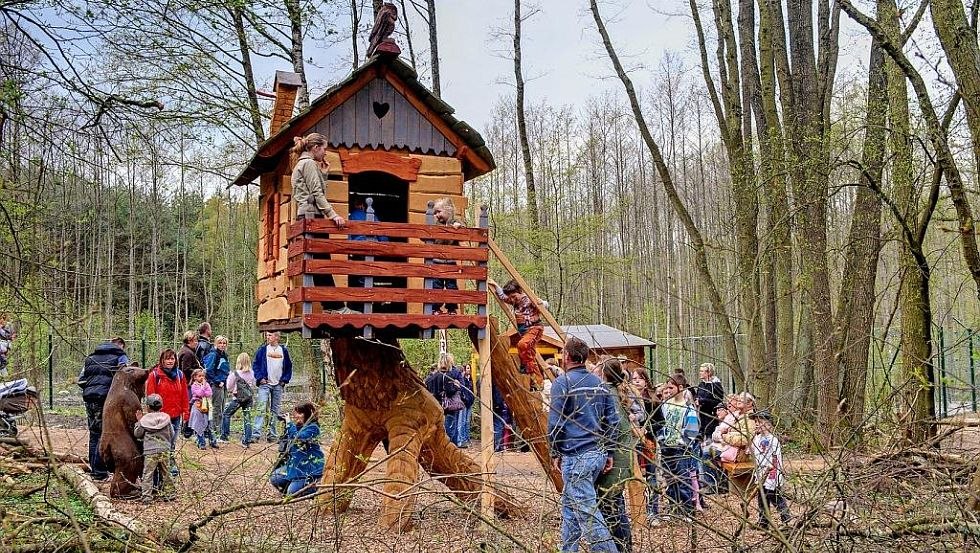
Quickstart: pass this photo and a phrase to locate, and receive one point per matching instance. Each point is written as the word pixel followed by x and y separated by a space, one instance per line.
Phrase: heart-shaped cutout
pixel 381 109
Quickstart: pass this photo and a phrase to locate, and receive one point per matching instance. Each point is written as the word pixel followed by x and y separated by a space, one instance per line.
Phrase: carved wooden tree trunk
pixel 384 398
pixel 527 407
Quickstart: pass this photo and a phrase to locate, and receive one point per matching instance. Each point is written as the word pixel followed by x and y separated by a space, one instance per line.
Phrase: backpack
pixel 243 392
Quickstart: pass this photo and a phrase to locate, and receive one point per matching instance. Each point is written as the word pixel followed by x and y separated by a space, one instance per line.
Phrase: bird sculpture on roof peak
pixel 384 24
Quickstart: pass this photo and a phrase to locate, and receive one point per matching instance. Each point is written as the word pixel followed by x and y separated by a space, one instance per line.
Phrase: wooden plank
pixel 401 166
pixel 300 246
pixel 527 289
pixel 362 117
pixel 447 185
pixel 392 230
pixel 401 111
pixel 349 110
pixel 400 295
pixel 382 320
pixel 388 121
pixel 299 267
pixel 276 309
pixel 439 165
pixel 374 94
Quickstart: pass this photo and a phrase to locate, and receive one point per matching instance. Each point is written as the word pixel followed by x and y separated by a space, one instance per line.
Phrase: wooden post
pixel 486 426
pixel 428 308
pixel 482 284
pixel 307 279
pixel 368 279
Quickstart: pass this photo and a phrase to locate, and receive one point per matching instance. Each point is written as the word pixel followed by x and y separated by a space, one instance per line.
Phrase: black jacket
pixel 99 369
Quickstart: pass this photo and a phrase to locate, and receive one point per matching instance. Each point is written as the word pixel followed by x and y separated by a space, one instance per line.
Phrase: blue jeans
pixel 498 432
pixel 463 428
pixel 679 466
pixel 291 487
pixel 230 409
pixel 270 397
pixel 579 506
pixel 93 411
pixel 452 421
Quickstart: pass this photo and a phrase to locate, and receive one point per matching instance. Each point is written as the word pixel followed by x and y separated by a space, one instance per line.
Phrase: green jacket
pixel 623 453
pixel 308 180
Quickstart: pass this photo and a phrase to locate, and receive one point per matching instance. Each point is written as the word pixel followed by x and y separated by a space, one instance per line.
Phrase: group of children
pixel 690 460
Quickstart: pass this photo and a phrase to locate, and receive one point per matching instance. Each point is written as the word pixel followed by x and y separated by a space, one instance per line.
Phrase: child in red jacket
pixel 166 380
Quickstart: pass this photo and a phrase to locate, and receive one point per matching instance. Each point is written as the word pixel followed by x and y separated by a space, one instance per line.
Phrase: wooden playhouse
pixel 396 147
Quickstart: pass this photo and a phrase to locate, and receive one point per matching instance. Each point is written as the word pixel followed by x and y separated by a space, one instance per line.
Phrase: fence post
pixel 50 371
pixel 942 372
pixel 973 372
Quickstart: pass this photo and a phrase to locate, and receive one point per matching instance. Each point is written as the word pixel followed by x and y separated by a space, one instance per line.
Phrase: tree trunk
pixel 355 28
pixel 697 241
pixel 774 169
pixel 856 300
pixel 295 13
pixel 533 218
pixel 433 47
pixel 238 20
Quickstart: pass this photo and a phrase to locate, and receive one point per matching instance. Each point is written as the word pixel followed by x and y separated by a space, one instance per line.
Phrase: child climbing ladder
pixel 529 327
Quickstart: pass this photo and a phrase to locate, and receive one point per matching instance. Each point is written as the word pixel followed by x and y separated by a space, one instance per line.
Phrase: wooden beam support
pixel 486 428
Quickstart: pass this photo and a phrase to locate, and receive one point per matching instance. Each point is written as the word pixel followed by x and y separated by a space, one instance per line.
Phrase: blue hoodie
pixel 583 416
pixel 216 367
pixel 261 371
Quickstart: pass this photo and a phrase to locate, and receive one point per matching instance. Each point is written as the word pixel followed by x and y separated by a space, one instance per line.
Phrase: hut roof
pixel 470 147
pixel 596 336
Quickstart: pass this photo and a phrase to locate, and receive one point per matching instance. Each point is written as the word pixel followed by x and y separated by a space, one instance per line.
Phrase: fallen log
pixel 100 504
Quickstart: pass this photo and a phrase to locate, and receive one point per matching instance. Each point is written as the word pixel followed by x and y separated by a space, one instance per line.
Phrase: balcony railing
pixel 382 251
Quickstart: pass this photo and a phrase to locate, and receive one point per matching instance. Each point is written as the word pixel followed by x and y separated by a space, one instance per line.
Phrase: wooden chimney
pixel 285 87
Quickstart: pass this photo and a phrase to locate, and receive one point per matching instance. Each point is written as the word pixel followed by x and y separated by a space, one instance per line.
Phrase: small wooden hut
pixel 396 146
pixel 602 340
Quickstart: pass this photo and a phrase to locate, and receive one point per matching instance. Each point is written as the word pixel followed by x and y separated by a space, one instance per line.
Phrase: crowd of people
pixel 603 420
pixel 194 392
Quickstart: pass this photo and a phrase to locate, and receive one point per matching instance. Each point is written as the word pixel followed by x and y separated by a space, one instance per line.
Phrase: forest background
pixel 804 224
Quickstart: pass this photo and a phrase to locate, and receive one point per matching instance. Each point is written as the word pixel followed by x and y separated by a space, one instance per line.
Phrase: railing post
pixel 50 371
pixel 973 372
pixel 307 277
pixel 428 308
pixel 143 352
pixel 482 284
pixel 369 279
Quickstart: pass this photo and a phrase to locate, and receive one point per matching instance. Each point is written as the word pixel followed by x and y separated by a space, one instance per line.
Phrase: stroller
pixel 16 398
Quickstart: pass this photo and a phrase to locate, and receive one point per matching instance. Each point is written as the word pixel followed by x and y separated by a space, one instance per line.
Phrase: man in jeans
pixel 582 426
pixel 94 380
pixel 273 369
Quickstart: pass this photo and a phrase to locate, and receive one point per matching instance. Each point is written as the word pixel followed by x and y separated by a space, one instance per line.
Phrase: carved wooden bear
pixel 118 446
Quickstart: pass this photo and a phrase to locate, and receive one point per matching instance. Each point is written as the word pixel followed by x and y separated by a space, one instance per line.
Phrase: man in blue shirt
pixel 582 426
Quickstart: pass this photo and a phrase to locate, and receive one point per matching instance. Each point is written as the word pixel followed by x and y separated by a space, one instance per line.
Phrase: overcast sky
pixel 563 59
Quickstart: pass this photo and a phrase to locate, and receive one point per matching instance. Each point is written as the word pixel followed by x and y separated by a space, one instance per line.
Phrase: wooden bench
pixel 739 475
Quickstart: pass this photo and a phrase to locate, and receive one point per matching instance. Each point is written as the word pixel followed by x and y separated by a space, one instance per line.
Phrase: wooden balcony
pixel 394 272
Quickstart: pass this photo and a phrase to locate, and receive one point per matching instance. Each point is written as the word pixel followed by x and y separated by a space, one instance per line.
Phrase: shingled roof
pixel 470 147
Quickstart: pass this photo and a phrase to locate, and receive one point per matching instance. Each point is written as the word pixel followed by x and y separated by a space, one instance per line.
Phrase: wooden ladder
pixel 552 322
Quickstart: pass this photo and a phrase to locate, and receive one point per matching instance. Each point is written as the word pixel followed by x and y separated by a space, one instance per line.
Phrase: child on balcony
pixel 529 327
pixel 444 212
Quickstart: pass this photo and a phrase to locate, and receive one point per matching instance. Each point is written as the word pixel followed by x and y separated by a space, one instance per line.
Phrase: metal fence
pixel 956 360
pixel 52 364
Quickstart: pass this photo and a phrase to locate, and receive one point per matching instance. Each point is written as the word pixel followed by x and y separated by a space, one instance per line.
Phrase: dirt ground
pixel 232 474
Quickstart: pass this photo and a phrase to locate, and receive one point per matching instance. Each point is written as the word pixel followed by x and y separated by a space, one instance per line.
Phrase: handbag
pixel 205 405
pixel 453 403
